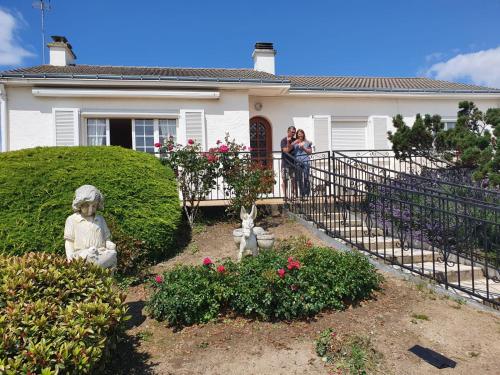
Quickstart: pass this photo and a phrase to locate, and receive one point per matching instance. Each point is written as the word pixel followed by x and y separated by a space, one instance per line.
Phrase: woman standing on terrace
pixel 302 150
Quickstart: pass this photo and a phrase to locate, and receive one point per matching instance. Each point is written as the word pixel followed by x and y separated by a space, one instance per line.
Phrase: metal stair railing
pixel 400 219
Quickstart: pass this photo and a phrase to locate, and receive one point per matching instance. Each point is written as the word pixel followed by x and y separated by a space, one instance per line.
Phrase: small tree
pixel 245 178
pixel 419 139
pixel 470 144
pixel 196 173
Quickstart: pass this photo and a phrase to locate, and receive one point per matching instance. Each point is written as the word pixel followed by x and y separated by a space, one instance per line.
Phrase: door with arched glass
pixel 261 141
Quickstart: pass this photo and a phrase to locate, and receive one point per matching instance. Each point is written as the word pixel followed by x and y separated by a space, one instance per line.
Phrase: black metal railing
pixel 412 222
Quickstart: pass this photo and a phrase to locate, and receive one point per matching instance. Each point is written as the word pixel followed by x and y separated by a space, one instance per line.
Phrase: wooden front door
pixel 261 141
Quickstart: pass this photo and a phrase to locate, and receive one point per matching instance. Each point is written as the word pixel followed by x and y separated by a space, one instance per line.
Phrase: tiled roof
pixel 380 84
pixel 297 83
pixel 136 71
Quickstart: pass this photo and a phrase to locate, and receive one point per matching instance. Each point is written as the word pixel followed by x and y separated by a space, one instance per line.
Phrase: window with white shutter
pixel 349 135
pixel 380 141
pixel 321 127
pixel 67 131
pixel 194 122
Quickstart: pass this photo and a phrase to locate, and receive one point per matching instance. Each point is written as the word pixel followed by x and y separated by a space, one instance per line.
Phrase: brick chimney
pixel 263 57
pixel 61 52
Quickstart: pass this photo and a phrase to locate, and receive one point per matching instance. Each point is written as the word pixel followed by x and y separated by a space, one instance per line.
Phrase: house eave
pixel 114 80
pixel 123 93
pixel 395 93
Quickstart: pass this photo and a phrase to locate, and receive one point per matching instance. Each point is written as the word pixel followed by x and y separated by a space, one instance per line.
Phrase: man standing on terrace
pixel 287 162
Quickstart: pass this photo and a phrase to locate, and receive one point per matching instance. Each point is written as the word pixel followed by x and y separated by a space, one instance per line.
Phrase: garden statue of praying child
pixel 86 234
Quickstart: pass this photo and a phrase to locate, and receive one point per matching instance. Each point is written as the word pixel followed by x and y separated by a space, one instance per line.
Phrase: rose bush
pixel 245 177
pixel 293 281
pixel 196 173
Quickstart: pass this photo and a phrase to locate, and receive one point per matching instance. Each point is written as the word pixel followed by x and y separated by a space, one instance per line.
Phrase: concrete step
pixel 407 257
pixel 452 273
pixel 356 231
pixel 339 223
pixel 483 287
pixel 373 243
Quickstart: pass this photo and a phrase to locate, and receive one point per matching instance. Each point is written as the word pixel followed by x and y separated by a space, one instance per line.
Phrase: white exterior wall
pixel 31 120
pixel 282 112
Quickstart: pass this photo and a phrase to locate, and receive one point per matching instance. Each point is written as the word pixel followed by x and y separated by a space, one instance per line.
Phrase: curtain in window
pixel 167 129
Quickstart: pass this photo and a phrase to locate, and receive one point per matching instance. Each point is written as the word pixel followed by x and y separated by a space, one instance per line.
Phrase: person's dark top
pixel 287 157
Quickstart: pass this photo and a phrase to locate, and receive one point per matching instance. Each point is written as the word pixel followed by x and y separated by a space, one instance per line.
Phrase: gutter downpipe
pixel 3 118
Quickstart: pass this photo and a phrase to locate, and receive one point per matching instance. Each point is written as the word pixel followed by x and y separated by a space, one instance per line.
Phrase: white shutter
pixel 380 141
pixel 322 128
pixel 67 132
pixel 349 135
pixel 195 126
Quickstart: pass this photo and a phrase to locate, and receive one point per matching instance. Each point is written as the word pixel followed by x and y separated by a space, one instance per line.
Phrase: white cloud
pixel 434 56
pixel 11 53
pixel 481 68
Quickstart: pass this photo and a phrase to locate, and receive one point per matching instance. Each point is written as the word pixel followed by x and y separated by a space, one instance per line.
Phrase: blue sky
pixel 356 37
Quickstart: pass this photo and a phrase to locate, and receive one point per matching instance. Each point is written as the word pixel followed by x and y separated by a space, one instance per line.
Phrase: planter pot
pixel 265 241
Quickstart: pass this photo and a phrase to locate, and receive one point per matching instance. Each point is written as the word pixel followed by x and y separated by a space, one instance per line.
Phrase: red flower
pixel 212 158
pixel 223 148
pixel 207 261
pixel 281 272
pixel 218 142
pixel 159 279
pixel 158 144
pixel 190 141
pixel 293 264
pixel 221 269
pixel 170 147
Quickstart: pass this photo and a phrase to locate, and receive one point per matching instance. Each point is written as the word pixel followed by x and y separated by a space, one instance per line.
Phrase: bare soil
pixel 468 336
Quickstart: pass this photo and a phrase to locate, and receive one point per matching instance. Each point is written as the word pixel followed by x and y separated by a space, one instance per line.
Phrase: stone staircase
pixel 351 230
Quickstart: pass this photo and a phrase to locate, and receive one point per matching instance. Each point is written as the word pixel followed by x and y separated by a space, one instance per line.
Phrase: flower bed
pixel 294 281
pixel 56 317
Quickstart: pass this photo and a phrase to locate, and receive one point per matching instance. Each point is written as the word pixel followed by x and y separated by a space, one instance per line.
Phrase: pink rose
pixel 281 273
pixel 221 269
pixel 190 142
pixel 159 279
pixel 157 144
pixel 293 264
pixel 223 148
pixel 207 261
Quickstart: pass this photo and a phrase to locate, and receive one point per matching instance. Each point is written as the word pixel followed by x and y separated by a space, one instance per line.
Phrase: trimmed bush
pixel 37 186
pixel 294 281
pixel 56 317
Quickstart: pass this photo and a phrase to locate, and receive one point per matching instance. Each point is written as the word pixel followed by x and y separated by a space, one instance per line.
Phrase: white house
pixel 64 103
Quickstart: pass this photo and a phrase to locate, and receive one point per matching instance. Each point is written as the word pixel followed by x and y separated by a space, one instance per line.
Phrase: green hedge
pixel 313 279
pixel 37 187
pixel 56 317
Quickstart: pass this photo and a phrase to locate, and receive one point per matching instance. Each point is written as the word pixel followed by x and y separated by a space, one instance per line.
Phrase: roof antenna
pixel 44 6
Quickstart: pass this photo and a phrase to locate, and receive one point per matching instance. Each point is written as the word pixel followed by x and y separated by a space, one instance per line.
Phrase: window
pixel 96 132
pixel 144 135
pixel 449 125
pixel 167 128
